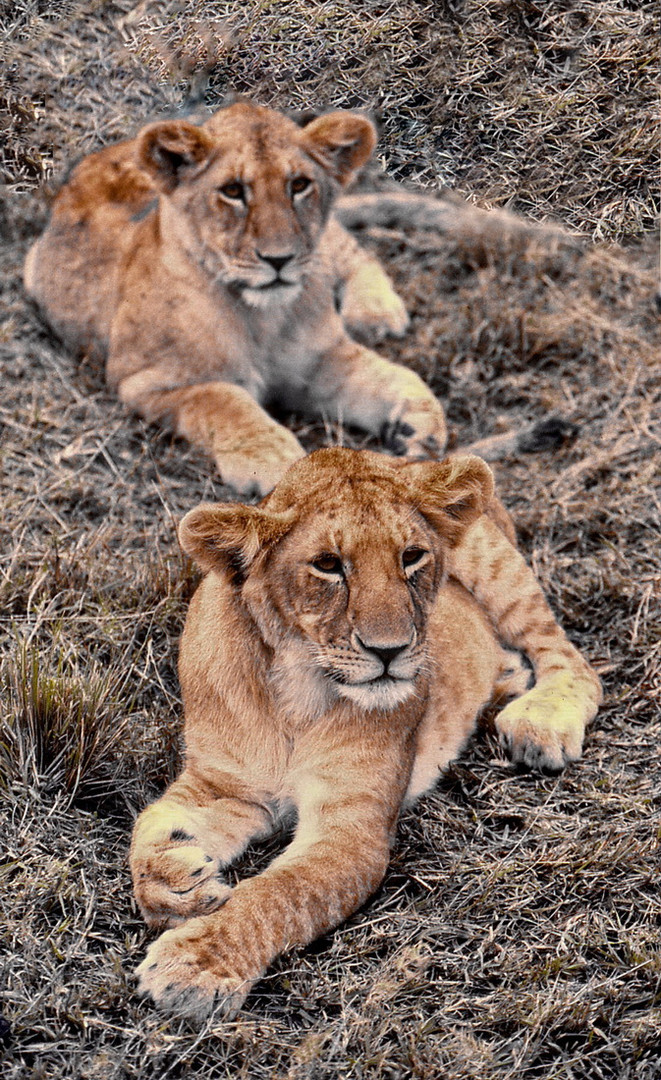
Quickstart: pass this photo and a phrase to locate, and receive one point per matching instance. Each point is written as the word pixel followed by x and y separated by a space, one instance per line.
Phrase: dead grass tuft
pixel 63 735
pixel 516 936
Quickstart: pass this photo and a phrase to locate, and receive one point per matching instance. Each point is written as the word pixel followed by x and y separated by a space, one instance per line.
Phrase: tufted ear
pixel 340 141
pixel 452 493
pixel 227 537
pixel 172 148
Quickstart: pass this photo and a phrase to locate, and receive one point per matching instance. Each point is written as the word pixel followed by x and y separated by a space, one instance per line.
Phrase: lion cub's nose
pixel 386 654
pixel 278 262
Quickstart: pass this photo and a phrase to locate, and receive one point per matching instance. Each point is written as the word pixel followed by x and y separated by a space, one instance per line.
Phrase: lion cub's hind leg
pixel 179 850
pixel 544 727
pixel 386 399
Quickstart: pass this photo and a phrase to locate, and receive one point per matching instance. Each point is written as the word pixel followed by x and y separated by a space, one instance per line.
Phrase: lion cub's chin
pixel 383 693
pixel 306 690
pixel 272 296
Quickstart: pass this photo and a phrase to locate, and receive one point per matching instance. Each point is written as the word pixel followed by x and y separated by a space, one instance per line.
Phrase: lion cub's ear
pixel 340 141
pixel 452 493
pixel 227 536
pixel 170 149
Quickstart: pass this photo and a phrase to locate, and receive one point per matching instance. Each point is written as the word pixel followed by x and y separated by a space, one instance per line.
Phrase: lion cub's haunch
pixel 332 663
pixel 204 262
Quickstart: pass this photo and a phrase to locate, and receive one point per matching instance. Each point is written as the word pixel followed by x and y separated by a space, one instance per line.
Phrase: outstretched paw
pixel 543 729
pixel 371 309
pixel 176 882
pixel 256 466
pixel 185 974
pixel 403 439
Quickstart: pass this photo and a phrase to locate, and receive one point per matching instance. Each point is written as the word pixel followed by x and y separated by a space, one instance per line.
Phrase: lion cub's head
pixel 249 192
pixel 340 565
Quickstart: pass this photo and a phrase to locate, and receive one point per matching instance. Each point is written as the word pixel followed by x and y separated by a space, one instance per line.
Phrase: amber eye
pixel 299 184
pixel 234 191
pixel 412 556
pixel 328 563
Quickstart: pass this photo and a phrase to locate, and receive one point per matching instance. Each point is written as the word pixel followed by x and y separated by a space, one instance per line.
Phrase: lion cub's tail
pixel 397 208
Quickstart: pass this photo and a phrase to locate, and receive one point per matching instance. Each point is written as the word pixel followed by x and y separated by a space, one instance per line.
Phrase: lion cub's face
pixel 353 582
pixel 249 192
pixel 339 567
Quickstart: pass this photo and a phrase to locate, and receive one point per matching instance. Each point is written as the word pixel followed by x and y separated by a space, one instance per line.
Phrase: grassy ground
pixel 517 934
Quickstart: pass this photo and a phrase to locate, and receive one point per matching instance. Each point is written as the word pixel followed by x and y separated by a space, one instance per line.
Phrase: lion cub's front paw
pixel 544 728
pixel 256 467
pixel 369 318
pixel 418 432
pixel 185 974
pixel 175 883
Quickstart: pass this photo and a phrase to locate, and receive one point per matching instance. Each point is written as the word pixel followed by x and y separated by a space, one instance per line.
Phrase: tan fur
pixel 331 665
pixel 204 263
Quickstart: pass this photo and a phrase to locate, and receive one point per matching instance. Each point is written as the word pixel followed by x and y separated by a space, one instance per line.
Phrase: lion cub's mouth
pixel 383 692
pixel 277 283
pixel 379 680
pixel 278 290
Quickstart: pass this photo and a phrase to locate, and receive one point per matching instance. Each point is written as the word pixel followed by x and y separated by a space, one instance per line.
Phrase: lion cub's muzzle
pixel 376 674
pixel 272 276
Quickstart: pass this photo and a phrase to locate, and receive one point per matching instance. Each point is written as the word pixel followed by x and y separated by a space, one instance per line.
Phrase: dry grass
pixel 518 933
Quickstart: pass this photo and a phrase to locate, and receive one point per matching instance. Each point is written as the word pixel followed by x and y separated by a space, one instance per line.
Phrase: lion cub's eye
pixel 412 557
pixel 299 184
pixel 234 191
pixel 328 563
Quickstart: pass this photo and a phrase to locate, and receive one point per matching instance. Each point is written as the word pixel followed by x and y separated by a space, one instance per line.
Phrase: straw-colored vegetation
pixel 517 935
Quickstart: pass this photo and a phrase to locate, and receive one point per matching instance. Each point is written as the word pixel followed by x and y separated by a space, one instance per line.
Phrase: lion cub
pixel 205 264
pixel 332 664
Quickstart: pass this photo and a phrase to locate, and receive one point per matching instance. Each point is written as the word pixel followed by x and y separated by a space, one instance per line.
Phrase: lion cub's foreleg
pixel 543 728
pixel 336 860
pixel 369 305
pixel 179 847
pixel 252 451
pixel 386 399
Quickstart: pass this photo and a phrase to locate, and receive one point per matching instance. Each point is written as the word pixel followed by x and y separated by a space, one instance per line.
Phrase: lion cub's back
pixel 72 270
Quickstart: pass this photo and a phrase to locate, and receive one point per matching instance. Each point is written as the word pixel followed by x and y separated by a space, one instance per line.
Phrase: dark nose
pixel 386 654
pixel 278 262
